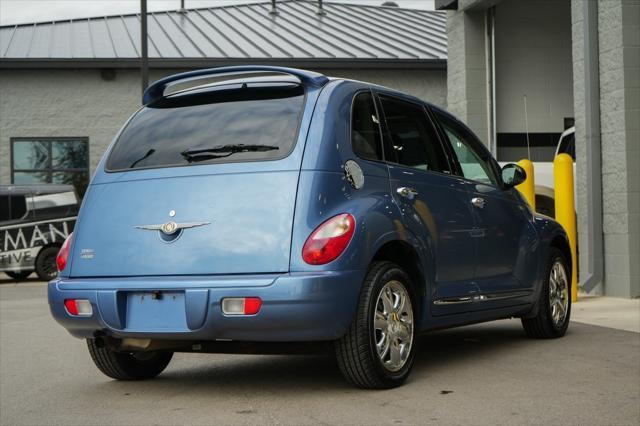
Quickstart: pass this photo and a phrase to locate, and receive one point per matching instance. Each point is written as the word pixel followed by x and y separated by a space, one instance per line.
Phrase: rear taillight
pixel 78 307
pixel 63 254
pixel 241 305
pixel 329 240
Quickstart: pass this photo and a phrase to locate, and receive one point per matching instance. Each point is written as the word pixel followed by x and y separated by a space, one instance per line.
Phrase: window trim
pixel 434 126
pixel 381 137
pixel 50 170
pixel 476 145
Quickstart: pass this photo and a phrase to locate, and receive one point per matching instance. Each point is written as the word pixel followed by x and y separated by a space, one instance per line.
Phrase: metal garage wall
pixel 533 58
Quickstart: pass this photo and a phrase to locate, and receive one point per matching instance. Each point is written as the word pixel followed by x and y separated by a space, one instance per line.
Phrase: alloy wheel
pixel 393 326
pixel 558 293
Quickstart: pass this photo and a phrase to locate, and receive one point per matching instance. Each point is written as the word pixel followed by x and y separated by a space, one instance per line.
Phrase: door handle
pixel 478 202
pixel 407 192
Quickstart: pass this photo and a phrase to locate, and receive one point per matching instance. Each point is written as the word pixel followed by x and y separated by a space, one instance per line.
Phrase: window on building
pixel 51 160
pixel 365 128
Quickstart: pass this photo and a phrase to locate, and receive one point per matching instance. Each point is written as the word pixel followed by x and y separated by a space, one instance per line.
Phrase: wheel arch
pixel 561 242
pixel 406 256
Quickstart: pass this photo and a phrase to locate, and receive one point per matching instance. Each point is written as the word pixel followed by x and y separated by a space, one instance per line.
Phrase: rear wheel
pixel 46 267
pixel 18 275
pixel 378 350
pixel 554 309
pixel 127 365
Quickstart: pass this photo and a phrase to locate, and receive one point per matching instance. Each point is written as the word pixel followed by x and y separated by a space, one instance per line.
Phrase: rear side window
pixel 365 128
pixel 411 136
pixel 5 209
pixel 231 124
pixel 12 207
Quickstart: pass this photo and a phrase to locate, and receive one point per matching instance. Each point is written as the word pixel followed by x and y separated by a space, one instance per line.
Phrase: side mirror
pixel 513 175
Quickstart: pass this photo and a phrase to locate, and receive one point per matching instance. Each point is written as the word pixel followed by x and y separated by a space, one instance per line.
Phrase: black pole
pixel 144 54
pixel 320 10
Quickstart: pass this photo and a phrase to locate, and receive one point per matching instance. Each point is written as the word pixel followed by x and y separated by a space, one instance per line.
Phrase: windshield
pixel 568 145
pixel 191 130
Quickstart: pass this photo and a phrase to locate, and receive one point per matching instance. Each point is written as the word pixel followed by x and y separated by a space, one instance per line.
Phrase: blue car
pixel 276 210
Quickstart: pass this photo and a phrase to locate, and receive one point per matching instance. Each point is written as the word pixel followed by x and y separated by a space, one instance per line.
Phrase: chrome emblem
pixel 171 227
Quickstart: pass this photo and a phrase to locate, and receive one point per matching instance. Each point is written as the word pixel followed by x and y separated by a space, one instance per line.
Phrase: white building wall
pixel 44 103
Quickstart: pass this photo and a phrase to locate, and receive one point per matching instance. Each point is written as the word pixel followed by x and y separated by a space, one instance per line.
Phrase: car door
pixel 433 201
pixel 504 230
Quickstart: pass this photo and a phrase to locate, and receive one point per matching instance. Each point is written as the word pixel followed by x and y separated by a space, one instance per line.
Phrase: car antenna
pixel 526 127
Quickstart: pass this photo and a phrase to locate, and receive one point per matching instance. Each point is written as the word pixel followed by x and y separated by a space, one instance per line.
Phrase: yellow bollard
pixel 528 187
pixel 565 210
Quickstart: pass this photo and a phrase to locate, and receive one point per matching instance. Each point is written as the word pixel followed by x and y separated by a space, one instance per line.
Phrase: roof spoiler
pixel 156 90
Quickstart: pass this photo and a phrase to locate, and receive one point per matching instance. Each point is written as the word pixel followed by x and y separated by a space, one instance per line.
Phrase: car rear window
pixel 230 124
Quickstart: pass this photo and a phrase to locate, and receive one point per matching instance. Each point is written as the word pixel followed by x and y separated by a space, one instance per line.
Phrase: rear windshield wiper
pixel 144 157
pixel 193 155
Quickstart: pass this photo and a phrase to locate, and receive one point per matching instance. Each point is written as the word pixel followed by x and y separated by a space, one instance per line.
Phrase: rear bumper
pixel 296 306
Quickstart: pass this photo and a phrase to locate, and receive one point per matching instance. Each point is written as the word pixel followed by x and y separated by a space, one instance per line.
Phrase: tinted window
pixel 5 213
pixel 568 145
pixel 365 129
pixel 411 137
pixel 472 163
pixel 12 207
pixel 18 207
pixel 51 160
pixel 211 128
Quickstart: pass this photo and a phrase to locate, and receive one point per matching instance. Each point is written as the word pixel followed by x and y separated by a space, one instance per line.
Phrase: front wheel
pixel 554 305
pixel 378 350
pixel 126 365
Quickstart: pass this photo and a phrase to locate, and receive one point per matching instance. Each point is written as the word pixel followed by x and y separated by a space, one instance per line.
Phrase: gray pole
pixel 144 54
pixel 594 245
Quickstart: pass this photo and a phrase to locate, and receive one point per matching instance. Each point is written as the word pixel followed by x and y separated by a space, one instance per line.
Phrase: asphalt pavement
pixel 482 374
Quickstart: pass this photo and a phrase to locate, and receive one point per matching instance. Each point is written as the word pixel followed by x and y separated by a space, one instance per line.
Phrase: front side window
pixel 411 136
pixel 473 166
pixel 233 124
pixel 51 160
pixel 365 128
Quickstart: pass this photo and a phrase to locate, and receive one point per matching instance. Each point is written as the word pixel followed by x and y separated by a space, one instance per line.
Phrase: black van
pixel 34 222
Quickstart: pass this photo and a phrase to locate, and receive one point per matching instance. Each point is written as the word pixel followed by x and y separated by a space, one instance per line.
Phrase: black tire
pixel 542 326
pixel 46 267
pixel 18 275
pixel 128 366
pixel 356 351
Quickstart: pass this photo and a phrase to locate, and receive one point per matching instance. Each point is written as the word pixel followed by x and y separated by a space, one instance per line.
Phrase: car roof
pixel 385 89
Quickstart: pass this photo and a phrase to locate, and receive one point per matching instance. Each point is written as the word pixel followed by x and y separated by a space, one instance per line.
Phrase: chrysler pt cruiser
pixel 270 209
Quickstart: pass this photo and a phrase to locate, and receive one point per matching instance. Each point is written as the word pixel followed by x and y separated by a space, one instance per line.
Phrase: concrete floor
pixel 484 374
pixel 622 314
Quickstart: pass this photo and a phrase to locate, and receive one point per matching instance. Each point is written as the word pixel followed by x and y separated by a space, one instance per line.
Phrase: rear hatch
pixel 196 184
